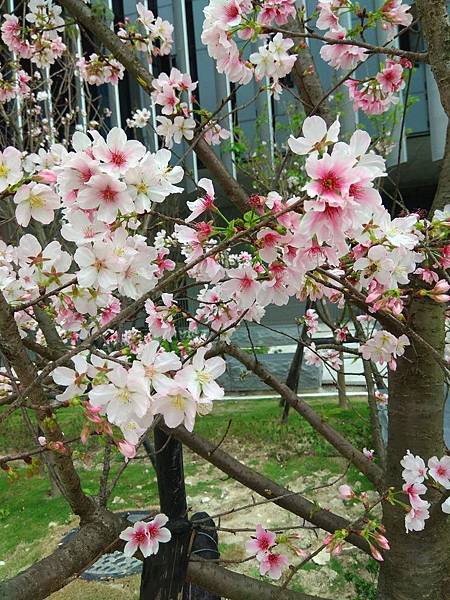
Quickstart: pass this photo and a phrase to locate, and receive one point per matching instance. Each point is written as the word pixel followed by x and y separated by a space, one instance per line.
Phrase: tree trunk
pixel 416 567
pixel 343 400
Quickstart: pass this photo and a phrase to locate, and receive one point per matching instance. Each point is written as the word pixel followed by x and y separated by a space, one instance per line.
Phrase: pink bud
pixel 346 492
pixel 376 553
pixel 382 541
pixel 42 440
pixel 46 176
pixel 337 549
pixel 127 449
pixel 441 287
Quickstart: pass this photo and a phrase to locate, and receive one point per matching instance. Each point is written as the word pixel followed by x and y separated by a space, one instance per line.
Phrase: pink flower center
pixel 273 559
pixel 140 536
pixel 330 182
pixel 118 158
pixel 109 195
pixel 441 471
pixel 270 239
pixel 264 543
pixel 246 282
pixel 231 11
pixel 207 201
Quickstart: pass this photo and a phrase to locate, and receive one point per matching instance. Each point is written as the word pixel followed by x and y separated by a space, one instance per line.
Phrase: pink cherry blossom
pixel 175 403
pixel 10 167
pixel 416 517
pixel 199 376
pixel 37 201
pixel 278 11
pixel 273 565
pixel 414 469
pixel 98 266
pixel 414 491
pixel 391 77
pixel 206 202
pixel 368 453
pixel 316 136
pixel 127 449
pixel 262 543
pixel 227 13
pixel 342 56
pixel 439 292
pixel 331 177
pixel 242 285
pixel 146 537
pixel 108 194
pixel 328 17
pixel 439 470
pixel 125 397
pixel 376 553
pixel 346 492
pixel 155 363
pixel 12 36
pixel 118 153
pixel 394 13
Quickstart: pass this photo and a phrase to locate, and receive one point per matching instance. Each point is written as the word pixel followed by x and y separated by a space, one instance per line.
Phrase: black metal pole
pixel 163 575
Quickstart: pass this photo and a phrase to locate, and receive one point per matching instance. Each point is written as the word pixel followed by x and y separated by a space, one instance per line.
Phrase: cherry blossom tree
pixel 80 260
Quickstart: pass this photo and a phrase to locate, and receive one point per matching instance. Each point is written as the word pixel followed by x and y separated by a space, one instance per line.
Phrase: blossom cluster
pixel 414 473
pixel 373 533
pixel 227 23
pixel 97 70
pixel 392 14
pixel 173 93
pixel 39 40
pixel 102 188
pixel 376 94
pixel 146 536
pixel 265 546
pixel 149 34
pixel 383 347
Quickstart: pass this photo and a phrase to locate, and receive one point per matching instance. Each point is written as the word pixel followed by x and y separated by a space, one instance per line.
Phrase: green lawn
pixel 282 452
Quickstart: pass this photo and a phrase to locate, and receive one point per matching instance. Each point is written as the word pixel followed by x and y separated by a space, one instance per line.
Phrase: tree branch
pixel 235 586
pixel 294 503
pixel 387 50
pixel 66 562
pixel 342 445
pixel 14 350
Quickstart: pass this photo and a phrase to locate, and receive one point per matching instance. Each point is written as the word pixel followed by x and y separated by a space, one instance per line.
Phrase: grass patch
pixel 284 453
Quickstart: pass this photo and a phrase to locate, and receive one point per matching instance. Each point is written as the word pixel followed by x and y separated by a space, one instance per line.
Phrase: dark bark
pixel 66 562
pixel 307 81
pixel 12 347
pixel 343 399
pixel 416 567
pixel 293 377
pixel 435 25
pixel 205 546
pixel 239 587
